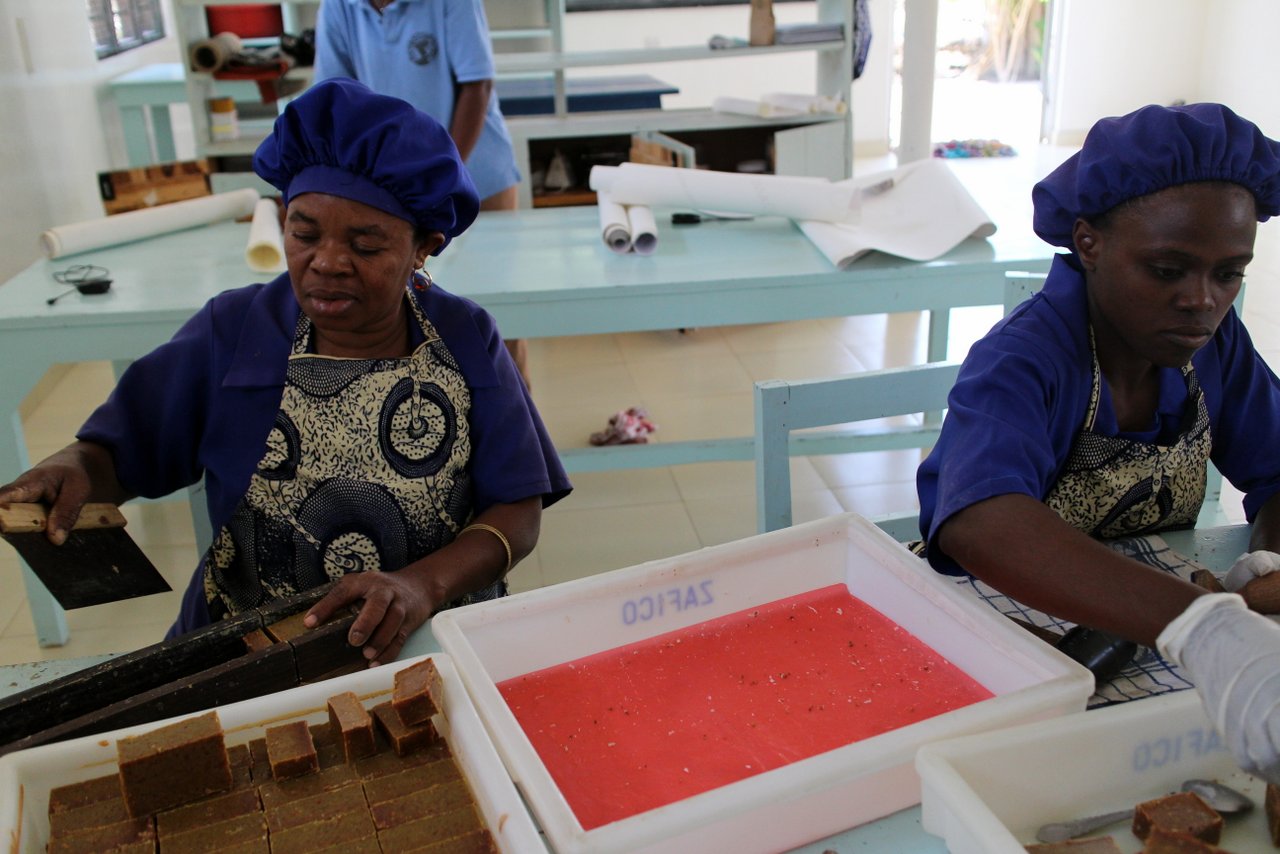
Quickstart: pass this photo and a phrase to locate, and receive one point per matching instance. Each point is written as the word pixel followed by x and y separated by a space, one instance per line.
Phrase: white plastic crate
pixel 988 793
pixel 806 800
pixel 27 776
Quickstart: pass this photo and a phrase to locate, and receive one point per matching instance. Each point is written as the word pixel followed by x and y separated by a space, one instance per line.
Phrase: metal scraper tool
pixel 98 563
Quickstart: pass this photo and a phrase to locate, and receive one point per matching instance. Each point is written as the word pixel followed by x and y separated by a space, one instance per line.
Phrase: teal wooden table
pixel 539 272
pixel 900 833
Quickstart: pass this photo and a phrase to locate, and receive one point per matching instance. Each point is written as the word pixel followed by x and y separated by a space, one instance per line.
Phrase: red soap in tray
pixel 654 722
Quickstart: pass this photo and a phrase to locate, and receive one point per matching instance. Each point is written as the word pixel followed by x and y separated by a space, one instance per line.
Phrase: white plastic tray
pixel 987 794
pixel 27 776
pixel 798 803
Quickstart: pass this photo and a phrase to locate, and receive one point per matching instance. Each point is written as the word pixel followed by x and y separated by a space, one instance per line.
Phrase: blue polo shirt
pixel 1023 391
pixel 417 50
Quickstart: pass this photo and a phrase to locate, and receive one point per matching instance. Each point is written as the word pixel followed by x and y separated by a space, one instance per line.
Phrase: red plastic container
pixel 251 21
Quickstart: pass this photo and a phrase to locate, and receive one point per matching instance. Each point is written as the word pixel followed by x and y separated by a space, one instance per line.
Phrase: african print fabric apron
pixel 365 470
pixel 1114 487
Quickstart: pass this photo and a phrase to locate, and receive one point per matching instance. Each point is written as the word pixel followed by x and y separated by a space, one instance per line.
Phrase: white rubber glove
pixel 1232 656
pixel 1249 566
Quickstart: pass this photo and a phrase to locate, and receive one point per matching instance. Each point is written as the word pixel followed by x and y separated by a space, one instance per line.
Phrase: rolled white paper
pixel 265 250
pixel 613 224
pixel 644 230
pixel 804 103
pixel 732 192
pixel 208 55
pixel 148 222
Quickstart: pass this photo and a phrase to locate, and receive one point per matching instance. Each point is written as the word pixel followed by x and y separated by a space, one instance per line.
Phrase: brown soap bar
pixel 387 762
pixel 131 835
pixel 256 640
pixel 404 738
pixel 445 825
pixel 97 814
pixel 86 792
pixel 249 829
pixel 1262 594
pixel 1182 812
pixel 420 804
pixel 1162 841
pixel 326 832
pixel 392 786
pixel 233 804
pixel 417 692
pixel 1091 845
pixel 241 761
pixel 353 724
pixel 275 792
pixel 481 842
pixel 330 804
pixel 288 628
pixel 323 734
pixel 367 845
pixel 173 765
pixel 291 751
pixel 1271 804
pixel 259 764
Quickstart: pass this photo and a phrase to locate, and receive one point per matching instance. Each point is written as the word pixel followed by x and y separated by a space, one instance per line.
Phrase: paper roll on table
pixel 613 224
pixel 733 192
pixel 208 55
pixel 644 231
pixel 265 251
pixel 626 228
pixel 148 222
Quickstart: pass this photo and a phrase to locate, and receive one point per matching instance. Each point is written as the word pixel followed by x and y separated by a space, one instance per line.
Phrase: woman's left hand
pixel 395 604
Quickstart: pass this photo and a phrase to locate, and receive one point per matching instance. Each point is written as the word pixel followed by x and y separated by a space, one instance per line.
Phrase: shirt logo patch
pixel 423 48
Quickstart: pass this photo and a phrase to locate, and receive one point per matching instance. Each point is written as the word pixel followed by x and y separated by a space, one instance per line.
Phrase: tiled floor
pixel 696 384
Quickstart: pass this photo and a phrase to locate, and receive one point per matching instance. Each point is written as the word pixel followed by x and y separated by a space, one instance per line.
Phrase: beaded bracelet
pixel 506 544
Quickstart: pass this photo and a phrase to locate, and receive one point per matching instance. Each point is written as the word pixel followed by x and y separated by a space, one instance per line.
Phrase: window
pixel 119 25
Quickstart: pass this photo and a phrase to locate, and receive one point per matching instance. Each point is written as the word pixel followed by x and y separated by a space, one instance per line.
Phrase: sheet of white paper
pixel 613 224
pixel 264 252
pixel 148 222
pixel 925 213
pixel 801 103
pixel 701 189
pixel 644 230
pixel 749 107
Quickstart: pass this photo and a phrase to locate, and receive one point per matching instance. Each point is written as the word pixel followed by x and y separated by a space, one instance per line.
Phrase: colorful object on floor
pixel 654 722
pixel 973 148
pixel 626 427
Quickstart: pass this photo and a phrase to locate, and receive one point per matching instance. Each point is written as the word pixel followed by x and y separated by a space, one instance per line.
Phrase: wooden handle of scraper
pixel 27 518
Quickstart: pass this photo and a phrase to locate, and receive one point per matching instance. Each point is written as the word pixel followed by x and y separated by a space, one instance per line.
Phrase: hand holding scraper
pixel 99 562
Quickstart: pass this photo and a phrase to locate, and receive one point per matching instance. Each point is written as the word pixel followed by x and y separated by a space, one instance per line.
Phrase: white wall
pixel 1238 36
pixel 57 135
pixel 1117 55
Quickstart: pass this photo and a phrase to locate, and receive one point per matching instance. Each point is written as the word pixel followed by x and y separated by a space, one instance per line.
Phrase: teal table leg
pixel 162 132
pixel 137 142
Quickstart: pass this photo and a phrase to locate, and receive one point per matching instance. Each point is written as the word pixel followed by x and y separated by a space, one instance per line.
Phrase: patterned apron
pixel 365 470
pixel 1113 487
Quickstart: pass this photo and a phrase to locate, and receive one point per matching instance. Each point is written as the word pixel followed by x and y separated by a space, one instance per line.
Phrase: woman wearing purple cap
pixel 351 419
pixel 1093 410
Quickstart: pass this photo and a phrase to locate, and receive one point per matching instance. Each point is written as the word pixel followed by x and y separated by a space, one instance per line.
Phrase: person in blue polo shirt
pixel 436 55
pixel 1093 410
